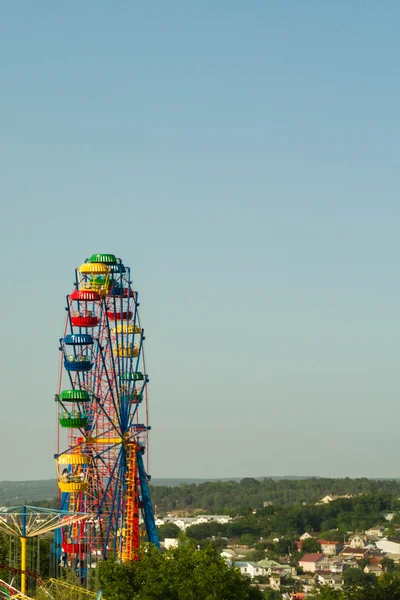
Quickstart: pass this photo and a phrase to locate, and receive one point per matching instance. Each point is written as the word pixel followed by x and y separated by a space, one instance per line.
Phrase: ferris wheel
pixel 103 427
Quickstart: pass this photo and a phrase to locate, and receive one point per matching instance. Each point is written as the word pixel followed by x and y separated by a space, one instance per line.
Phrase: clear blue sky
pixel 243 158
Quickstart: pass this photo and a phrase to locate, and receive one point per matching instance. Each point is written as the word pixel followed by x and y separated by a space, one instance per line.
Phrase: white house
pixel 356 541
pixel 377 531
pixel 330 548
pixel 326 499
pixel 183 522
pixel 309 534
pixel 388 516
pixel 334 581
pixel 171 543
pixel 249 569
pixel 211 519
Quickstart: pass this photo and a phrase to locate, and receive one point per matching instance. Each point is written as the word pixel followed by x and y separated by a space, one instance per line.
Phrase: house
pixel 326 499
pixel 170 543
pixel 271 566
pixel 356 553
pixel 334 581
pixel 356 541
pixel 388 516
pixel 332 565
pixel 183 522
pixel 309 562
pixel 394 557
pixel 375 532
pixel 249 569
pixel 223 519
pixel 230 554
pixel 330 548
pixel 307 580
pixel 389 544
pixel 375 569
pixel 309 534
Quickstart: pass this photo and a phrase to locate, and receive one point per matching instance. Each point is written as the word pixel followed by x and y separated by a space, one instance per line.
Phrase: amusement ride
pixel 103 419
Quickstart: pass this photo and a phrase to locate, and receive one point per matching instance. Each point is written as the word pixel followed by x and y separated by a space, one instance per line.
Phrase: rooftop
pixel 314 557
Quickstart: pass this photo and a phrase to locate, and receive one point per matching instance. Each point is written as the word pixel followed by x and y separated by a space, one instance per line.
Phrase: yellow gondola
pixel 127 351
pixel 74 479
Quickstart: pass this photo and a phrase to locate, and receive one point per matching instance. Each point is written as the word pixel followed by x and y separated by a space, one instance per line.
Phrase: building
pixel 375 569
pixel 170 543
pixel 326 499
pixel 249 569
pixel 388 516
pixel 230 554
pixel 375 532
pixel 389 544
pixel 183 522
pixel 275 582
pixel 223 519
pixel 330 548
pixel 309 534
pixel 272 566
pixel 333 565
pixel 333 581
pixel 356 553
pixel 356 541
pixel 309 562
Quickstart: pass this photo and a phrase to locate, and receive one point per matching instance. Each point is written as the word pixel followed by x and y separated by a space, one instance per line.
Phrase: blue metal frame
pixel 148 513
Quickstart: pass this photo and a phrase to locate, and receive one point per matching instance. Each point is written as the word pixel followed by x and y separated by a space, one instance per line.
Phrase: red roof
pixel 376 560
pixel 314 557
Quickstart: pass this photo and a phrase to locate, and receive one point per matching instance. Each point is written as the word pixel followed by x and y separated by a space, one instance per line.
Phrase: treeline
pixel 229 497
pixel 334 520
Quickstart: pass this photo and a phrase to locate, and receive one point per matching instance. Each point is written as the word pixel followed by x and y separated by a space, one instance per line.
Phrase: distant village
pixel 370 550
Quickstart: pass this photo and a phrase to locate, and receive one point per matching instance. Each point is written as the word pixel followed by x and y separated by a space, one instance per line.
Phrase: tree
pixel 326 593
pixel 356 576
pixel 181 573
pixel 248 540
pixel 168 530
pixel 362 563
pixel 284 546
pixel 310 545
pixel 272 595
pixel 388 565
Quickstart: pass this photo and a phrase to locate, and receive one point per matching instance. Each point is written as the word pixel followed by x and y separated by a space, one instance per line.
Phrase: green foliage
pixel 272 595
pixel 232 497
pixel 181 573
pixel 247 539
pixel 168 530
pixel 388 564
pixel 284 546
pixel 310 545
pixel 357 576
pixel 363 562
